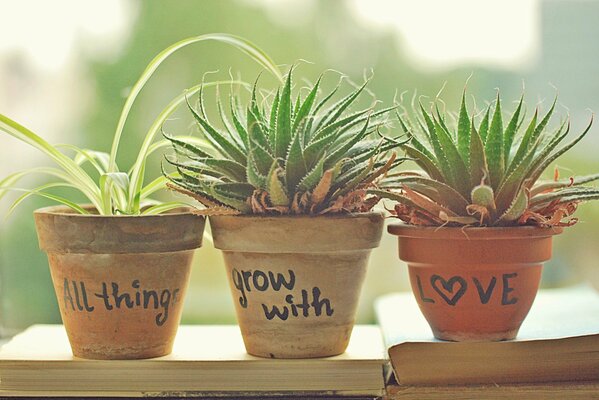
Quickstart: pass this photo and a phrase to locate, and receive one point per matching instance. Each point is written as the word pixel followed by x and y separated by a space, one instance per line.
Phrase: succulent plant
pixel 486 173
pixel 287 157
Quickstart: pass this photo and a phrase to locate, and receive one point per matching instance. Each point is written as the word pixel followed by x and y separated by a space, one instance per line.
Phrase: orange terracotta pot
pixel 120 280
pixel 476 283
pixel 296 281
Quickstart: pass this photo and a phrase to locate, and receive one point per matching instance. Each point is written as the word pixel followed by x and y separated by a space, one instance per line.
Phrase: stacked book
pixel 555 356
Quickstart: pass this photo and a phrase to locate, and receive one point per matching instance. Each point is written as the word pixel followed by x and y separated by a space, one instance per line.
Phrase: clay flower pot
pixel 296 280
pixel 476 283
pixel 120 280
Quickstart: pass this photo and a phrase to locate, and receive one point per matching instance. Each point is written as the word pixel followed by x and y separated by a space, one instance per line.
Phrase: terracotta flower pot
pixel 474 283
pixel 120 280
pixel 296 280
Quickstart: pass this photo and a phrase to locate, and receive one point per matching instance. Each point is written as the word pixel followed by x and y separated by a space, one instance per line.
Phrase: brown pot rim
pixel 279 233
pixel 61 230
pixel 471 233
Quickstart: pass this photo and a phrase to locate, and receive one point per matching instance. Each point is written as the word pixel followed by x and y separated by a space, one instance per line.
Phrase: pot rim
pixel 62 230
pixel 471 233
pixel 280 217
pixel 297 234
pixel 66 211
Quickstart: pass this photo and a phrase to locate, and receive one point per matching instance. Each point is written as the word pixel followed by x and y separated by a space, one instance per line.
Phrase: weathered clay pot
pixel 296 280
pixel 476 283
pixel 120 280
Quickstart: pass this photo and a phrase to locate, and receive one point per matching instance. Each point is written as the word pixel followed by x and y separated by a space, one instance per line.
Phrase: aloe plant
pixel 110 190
pixel 286 154
pixel 485 173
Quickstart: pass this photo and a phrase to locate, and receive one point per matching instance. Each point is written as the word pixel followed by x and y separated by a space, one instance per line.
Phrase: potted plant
pixel 477 221
pixel 284 186
pixel 120 265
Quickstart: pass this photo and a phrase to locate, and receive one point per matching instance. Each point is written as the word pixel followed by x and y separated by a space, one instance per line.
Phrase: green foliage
pixel 286 156
pixel 108 189
pixel 485 173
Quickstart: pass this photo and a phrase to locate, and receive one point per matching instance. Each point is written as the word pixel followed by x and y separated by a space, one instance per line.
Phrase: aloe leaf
pixel 283 127
pixel 336 110
pixel 478 160
pixel 525 142
pixel 228 168
pixel 253 174
pixel 542 166
pixel 457 171
pixel 342 150
pixel 434 219
pixel 272 127
pixel 464 132
pixel 312 178
pixel 428 165
pixel 483 128
pixel 306 107
pixel 545 198
pixel 222 144
pixel 295 168
pixel 494 147
pixel 237 123
pixel 515 210
pixel 551 185
pixel 436 190
pixel 275 188
pixel 510 132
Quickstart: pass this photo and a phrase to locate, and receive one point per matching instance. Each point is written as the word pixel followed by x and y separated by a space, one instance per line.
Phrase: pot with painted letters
pixel 474 284
pixel 296 280
pixel 120 280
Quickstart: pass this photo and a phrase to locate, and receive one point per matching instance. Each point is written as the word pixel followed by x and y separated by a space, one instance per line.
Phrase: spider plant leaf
pixel 53 197
pixel 239 43
pixel 464 132
pixel 283 128
pixel 162 208
pixel 494 149
pixel 83 181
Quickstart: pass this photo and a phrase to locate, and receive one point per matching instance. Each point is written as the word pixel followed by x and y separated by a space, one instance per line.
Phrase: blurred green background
pixel 66 68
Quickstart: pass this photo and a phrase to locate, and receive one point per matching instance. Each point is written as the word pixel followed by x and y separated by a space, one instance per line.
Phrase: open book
pixel 559 341
pixel 207 360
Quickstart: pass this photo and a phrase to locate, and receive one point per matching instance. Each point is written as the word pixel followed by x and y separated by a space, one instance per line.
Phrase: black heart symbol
pixel 448 286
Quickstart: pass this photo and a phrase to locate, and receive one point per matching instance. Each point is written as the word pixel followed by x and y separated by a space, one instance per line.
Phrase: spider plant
pixel 110 190
pixel 485 173
pixel 285 156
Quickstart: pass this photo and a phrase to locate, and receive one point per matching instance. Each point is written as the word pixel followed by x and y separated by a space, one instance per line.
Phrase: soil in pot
pixel 474 284
pixel 296 281
pixel 120 280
